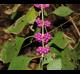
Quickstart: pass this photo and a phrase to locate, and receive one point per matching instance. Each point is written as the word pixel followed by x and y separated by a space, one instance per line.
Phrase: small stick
pixel 63 24
pixel 41 60
pixel 74 25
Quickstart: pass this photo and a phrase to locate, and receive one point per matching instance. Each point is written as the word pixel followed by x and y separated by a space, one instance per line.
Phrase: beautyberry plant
pixel 52 52
pixel 42 37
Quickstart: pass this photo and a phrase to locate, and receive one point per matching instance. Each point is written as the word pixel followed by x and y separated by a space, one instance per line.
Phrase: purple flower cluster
pixel 42 50
pixel 39 22
pixel 42 37
pixel 46 37
pixel 39 5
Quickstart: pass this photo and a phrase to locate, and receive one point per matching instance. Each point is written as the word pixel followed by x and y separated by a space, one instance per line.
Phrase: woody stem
pixel 42 11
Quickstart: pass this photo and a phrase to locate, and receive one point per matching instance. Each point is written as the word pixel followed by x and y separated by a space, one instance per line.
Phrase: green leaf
pixel 55 65
pixel 47 59
pixel 26 19
pixel 11 49
pixel 31 15
pixel 20 63
pixel 67 65
pixel 45 13
pixel 18 26
pixel 59 40
pixel 63 11
pixel 67 55
pixel 55 51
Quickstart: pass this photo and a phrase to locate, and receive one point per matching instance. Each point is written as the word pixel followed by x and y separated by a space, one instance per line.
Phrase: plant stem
pixel 26 45
pixel 42 23
pixel 42 11
pixel 28 37
pixel 41 59
pixel 46 29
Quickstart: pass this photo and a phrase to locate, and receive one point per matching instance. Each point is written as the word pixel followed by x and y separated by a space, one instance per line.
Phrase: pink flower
pixel 42 50
pixel 37 5
pixel 44 5
pixel 47 23
pixel 39 22
pixel 46 37
pixel 38 37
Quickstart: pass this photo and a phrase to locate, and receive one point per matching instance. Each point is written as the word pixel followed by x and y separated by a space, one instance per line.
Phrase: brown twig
pixel 77 44
pixel 64 23
pixel 74 25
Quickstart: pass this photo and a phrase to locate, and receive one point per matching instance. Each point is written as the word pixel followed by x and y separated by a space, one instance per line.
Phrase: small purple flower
pixel 47 23
pixel 39 22
pixel 42 50
pixel 46 37
pixel 37 5
pixel 38 37
pixel 44 5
